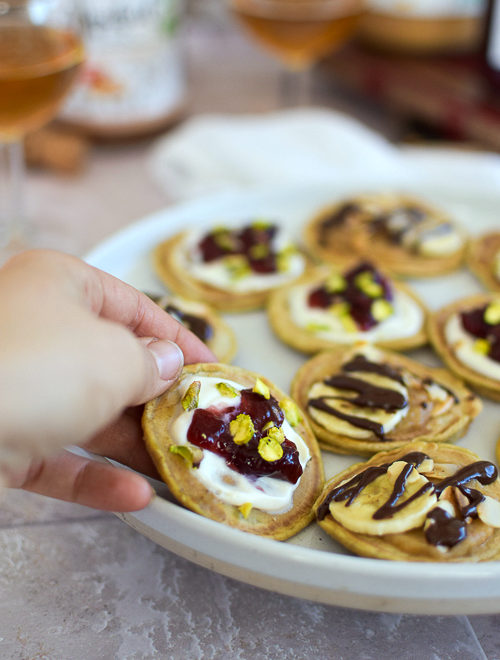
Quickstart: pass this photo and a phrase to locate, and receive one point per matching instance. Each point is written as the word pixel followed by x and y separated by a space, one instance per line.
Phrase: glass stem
pixel 296 87
pixel 12 226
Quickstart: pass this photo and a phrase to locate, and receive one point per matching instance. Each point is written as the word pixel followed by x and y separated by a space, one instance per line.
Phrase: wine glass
pixel 298 32
pixel 40 54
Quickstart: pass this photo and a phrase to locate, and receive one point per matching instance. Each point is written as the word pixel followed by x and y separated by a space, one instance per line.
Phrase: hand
pixel 77 348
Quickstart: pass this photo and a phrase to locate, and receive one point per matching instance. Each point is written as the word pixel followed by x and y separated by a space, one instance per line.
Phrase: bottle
pixel 423 27
pixel 492 43
pixel 132 81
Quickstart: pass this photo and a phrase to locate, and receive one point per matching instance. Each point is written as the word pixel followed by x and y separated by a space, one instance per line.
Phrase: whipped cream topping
pixel 266 493
pixel 217 274
pixel 405 321
pixel 462 344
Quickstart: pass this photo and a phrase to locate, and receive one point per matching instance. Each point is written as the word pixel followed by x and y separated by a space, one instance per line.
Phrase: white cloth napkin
pixel 298 147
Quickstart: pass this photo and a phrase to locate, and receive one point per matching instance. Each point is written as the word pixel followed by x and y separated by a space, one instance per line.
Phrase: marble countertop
pixel 78 583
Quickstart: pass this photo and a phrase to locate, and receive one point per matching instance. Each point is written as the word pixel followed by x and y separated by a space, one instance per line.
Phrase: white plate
pixel 311 565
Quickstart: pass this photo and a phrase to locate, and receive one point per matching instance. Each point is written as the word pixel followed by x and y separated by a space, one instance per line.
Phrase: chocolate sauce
pixel 360 303
pixel 209 429
pixel 351 489
pixel 196 324
pixel 445 530
pixel 368 395
pixel 336 219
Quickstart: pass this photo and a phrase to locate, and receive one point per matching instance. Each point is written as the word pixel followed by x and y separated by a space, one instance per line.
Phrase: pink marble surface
pixel 77 583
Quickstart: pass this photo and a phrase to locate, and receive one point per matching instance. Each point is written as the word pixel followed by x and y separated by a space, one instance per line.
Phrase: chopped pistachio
pixel 335 283
pixel 261 388
pixel 348 323
pixel 245 509
pixel 366 282
pixel 261 224
pixel 270 449
pixel 492 313
pixel 277 433
pixel 237 267
pixel 292 412
pixel 283 258
pixel 184 452
pixel 227 390
pixel 381 309
pixel 242 429
pixel 317 327
pixel 340 309
pixel 259 251
pixel 224 238
pixel 268 426
pixel 192 396
pixel 482 346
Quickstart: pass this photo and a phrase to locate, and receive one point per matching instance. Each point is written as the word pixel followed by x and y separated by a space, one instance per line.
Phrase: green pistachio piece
pixel 381 309
pixel 191 398
pixel 227 390
pixel 261 224
pixel 482 346
pixel 366 283
pixel 245 509
pixel 259 251
pixel 242 429
pixel 341 311
pixel 237 267
pixel 335 283
pixel 317 327
pixel 277 433
pixel 292 412
pixel 270 449
pixel 261 388
pixel 283 258
pixel 184 452
pixel 492 313
pixel 268 426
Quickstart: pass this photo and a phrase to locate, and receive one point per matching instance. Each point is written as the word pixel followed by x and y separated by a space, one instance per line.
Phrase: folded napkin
pixel 299 147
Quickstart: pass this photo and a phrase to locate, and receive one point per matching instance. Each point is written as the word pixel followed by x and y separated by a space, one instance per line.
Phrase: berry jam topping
pixel 362 291
pixel 196 324
pixel 484 323
pixel 210 429
pixel 254 242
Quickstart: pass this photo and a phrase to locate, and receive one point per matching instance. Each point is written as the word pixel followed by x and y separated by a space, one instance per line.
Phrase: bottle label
pixel 133 70
pixel 493 49
pixel 429 8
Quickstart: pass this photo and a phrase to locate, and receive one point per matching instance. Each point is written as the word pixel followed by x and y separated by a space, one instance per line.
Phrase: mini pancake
pixel 379 400
pixel 205 323
pixel 436 328
pixel 242 288
pixel 407 310
pixel 205 482
pixel 448 510
pixel 483 259
pixel 389 229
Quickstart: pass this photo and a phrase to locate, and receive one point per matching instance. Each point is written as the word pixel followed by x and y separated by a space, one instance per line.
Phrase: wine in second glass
pixel 38 63
pixel 299 32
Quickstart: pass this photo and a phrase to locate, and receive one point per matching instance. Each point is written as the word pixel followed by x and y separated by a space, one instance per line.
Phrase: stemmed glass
pixel 298 32
pixel 40 54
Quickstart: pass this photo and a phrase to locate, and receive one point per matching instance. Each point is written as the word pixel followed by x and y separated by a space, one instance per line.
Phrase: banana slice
pixel 361 515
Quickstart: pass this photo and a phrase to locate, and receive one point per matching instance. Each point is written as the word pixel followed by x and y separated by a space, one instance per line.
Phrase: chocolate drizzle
pixel 444 530
pixel 196 324
pixel 367 394
pixel 336 219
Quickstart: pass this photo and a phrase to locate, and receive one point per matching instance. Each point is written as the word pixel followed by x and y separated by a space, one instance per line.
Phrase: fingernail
pixel 169 358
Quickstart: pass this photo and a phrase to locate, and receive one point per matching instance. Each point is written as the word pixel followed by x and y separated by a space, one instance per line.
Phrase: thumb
pixel 169 360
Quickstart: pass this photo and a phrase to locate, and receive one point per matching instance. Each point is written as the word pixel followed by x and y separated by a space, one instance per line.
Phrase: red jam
pixel 209 429
pixel 473 322
pixel 360 304
pixel 253 242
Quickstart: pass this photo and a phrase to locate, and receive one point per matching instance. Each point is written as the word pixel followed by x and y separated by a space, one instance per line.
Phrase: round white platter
pixel 311 565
